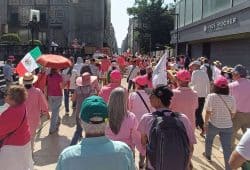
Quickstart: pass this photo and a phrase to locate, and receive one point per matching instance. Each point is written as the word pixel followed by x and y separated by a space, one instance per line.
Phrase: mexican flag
pixel 28 63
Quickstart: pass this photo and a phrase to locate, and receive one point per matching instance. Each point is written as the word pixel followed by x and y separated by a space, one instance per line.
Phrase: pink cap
pixel 116 75
pixel 141 80
pixel 221 82
pixel 183 75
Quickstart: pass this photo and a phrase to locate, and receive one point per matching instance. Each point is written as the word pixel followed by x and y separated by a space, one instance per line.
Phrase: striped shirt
pixel 221 116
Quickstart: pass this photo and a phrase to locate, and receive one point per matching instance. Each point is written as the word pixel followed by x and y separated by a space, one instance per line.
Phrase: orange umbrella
pixel 54 61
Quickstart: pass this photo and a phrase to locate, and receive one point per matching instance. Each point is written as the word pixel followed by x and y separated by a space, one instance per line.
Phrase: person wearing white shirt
pixel 133 71
pixel 201 84
pixel 242 152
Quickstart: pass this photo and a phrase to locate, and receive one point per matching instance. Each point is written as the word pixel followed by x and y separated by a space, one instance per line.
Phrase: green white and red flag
pixel 28 63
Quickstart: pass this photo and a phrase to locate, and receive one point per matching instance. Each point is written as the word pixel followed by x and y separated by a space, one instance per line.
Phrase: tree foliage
pixel 10 38
pixel 154 21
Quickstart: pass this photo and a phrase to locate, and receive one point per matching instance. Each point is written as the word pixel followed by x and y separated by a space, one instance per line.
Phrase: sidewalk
pixel 48 147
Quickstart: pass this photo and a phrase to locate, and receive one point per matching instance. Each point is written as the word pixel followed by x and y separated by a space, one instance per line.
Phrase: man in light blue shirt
pixel 96 152
pixel 8 72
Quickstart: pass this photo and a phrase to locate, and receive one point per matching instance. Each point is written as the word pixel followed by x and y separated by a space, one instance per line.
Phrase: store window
pixel 197 10
pixel 237 2
pixel 211 7
pixel 182 13
pixel 177 11
pixel 189 11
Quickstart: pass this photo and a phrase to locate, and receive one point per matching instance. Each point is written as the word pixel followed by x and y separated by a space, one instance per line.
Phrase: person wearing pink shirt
pixel 36 104
pixel 115 78
pixel 139 104
pixel 160 99
pixel 122 123
pixel 185 100
pixel 239 89
pixel 15 146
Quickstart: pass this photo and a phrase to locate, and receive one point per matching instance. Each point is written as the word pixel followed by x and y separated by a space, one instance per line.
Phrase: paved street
pixel 48 147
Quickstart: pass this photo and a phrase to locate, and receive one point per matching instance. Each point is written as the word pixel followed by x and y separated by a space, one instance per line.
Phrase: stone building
pixel 61 21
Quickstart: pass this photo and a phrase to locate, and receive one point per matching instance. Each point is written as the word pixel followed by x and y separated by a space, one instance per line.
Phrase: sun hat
pixel 141 80
pixel 221 82
pixel 94 110
pixel 116 75
pixel 28 78
pixel 240 69
pixel 196 62
pixel 183 75
pixel 85 80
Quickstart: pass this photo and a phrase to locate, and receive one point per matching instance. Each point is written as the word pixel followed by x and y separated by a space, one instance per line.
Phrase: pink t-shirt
pixel 185 101
pixel 147 121
pixel 11 120
pixel 106 90
pixel 127 131
pixel 136 105
pixel 53 85
pixel 35 104
pixel 240 91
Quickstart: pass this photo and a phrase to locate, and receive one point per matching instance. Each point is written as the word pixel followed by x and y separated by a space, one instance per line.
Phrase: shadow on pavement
pixel 51 147
pixel 69 120
pixel 206 165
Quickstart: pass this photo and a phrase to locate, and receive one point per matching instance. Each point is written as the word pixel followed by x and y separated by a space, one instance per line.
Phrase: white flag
pixel 160 72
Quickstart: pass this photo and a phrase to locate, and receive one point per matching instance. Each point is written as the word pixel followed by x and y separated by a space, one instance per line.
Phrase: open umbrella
pixel 54 61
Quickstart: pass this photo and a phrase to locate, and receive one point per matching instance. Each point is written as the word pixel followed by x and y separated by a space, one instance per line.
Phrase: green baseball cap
pixel 94 107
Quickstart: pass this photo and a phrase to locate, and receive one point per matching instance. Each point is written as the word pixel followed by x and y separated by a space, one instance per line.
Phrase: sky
pixel 120 18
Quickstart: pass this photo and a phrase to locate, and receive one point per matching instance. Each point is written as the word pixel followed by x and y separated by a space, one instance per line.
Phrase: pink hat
pixel 183 75
pixel 141 80
pixel 115 75
pixel 221 82
pixel 85 80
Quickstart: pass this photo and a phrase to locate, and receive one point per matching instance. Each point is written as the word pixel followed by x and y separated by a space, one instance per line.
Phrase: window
pixel 189 9
pixel 237 2
pixel 182 13
pixel 14 19
pixel 177 11
pixel 197 10
pixel 213 6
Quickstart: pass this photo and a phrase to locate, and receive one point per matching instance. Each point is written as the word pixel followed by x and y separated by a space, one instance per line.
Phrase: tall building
pixel 61 21
pixel 3 16
pixel 217 29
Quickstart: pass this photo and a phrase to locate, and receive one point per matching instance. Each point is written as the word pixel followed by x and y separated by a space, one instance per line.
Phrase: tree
pixel 154 23
pixel 10 38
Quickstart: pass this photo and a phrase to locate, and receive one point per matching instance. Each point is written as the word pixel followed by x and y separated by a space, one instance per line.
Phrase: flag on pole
pixel 28 63
pixel 160 72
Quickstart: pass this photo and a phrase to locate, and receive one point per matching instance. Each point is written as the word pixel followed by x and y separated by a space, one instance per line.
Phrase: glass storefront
pixel 193 10
pixel 182 13
pixel 189 9
pixel 197 10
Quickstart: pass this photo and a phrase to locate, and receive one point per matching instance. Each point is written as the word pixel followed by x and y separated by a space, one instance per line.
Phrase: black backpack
pixel 168 147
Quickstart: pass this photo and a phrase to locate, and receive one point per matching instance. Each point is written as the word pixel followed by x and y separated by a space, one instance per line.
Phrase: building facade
pixel 215 29
pixel 61 21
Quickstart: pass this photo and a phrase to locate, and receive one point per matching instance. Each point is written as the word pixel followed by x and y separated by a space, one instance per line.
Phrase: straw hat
pixel 28 78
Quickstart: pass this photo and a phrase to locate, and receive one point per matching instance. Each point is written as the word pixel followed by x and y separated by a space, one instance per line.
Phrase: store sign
pixel 220 25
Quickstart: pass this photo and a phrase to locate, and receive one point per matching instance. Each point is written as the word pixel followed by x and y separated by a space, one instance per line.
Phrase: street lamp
pixel 177 32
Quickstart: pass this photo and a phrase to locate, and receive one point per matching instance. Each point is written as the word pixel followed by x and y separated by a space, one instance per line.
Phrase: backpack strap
pixel 143 101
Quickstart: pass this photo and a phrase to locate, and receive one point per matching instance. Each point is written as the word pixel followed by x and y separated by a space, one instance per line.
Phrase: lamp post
pixel 177 32
pixel 33 26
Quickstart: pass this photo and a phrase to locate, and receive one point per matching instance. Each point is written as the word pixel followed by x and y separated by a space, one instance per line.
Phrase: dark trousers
pixel 130 84
pixel 198 113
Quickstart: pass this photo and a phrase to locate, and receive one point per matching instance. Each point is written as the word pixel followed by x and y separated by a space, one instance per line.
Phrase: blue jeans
pixel 55 103
pixel 225 139
pixel 66 98
pixel 77 134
